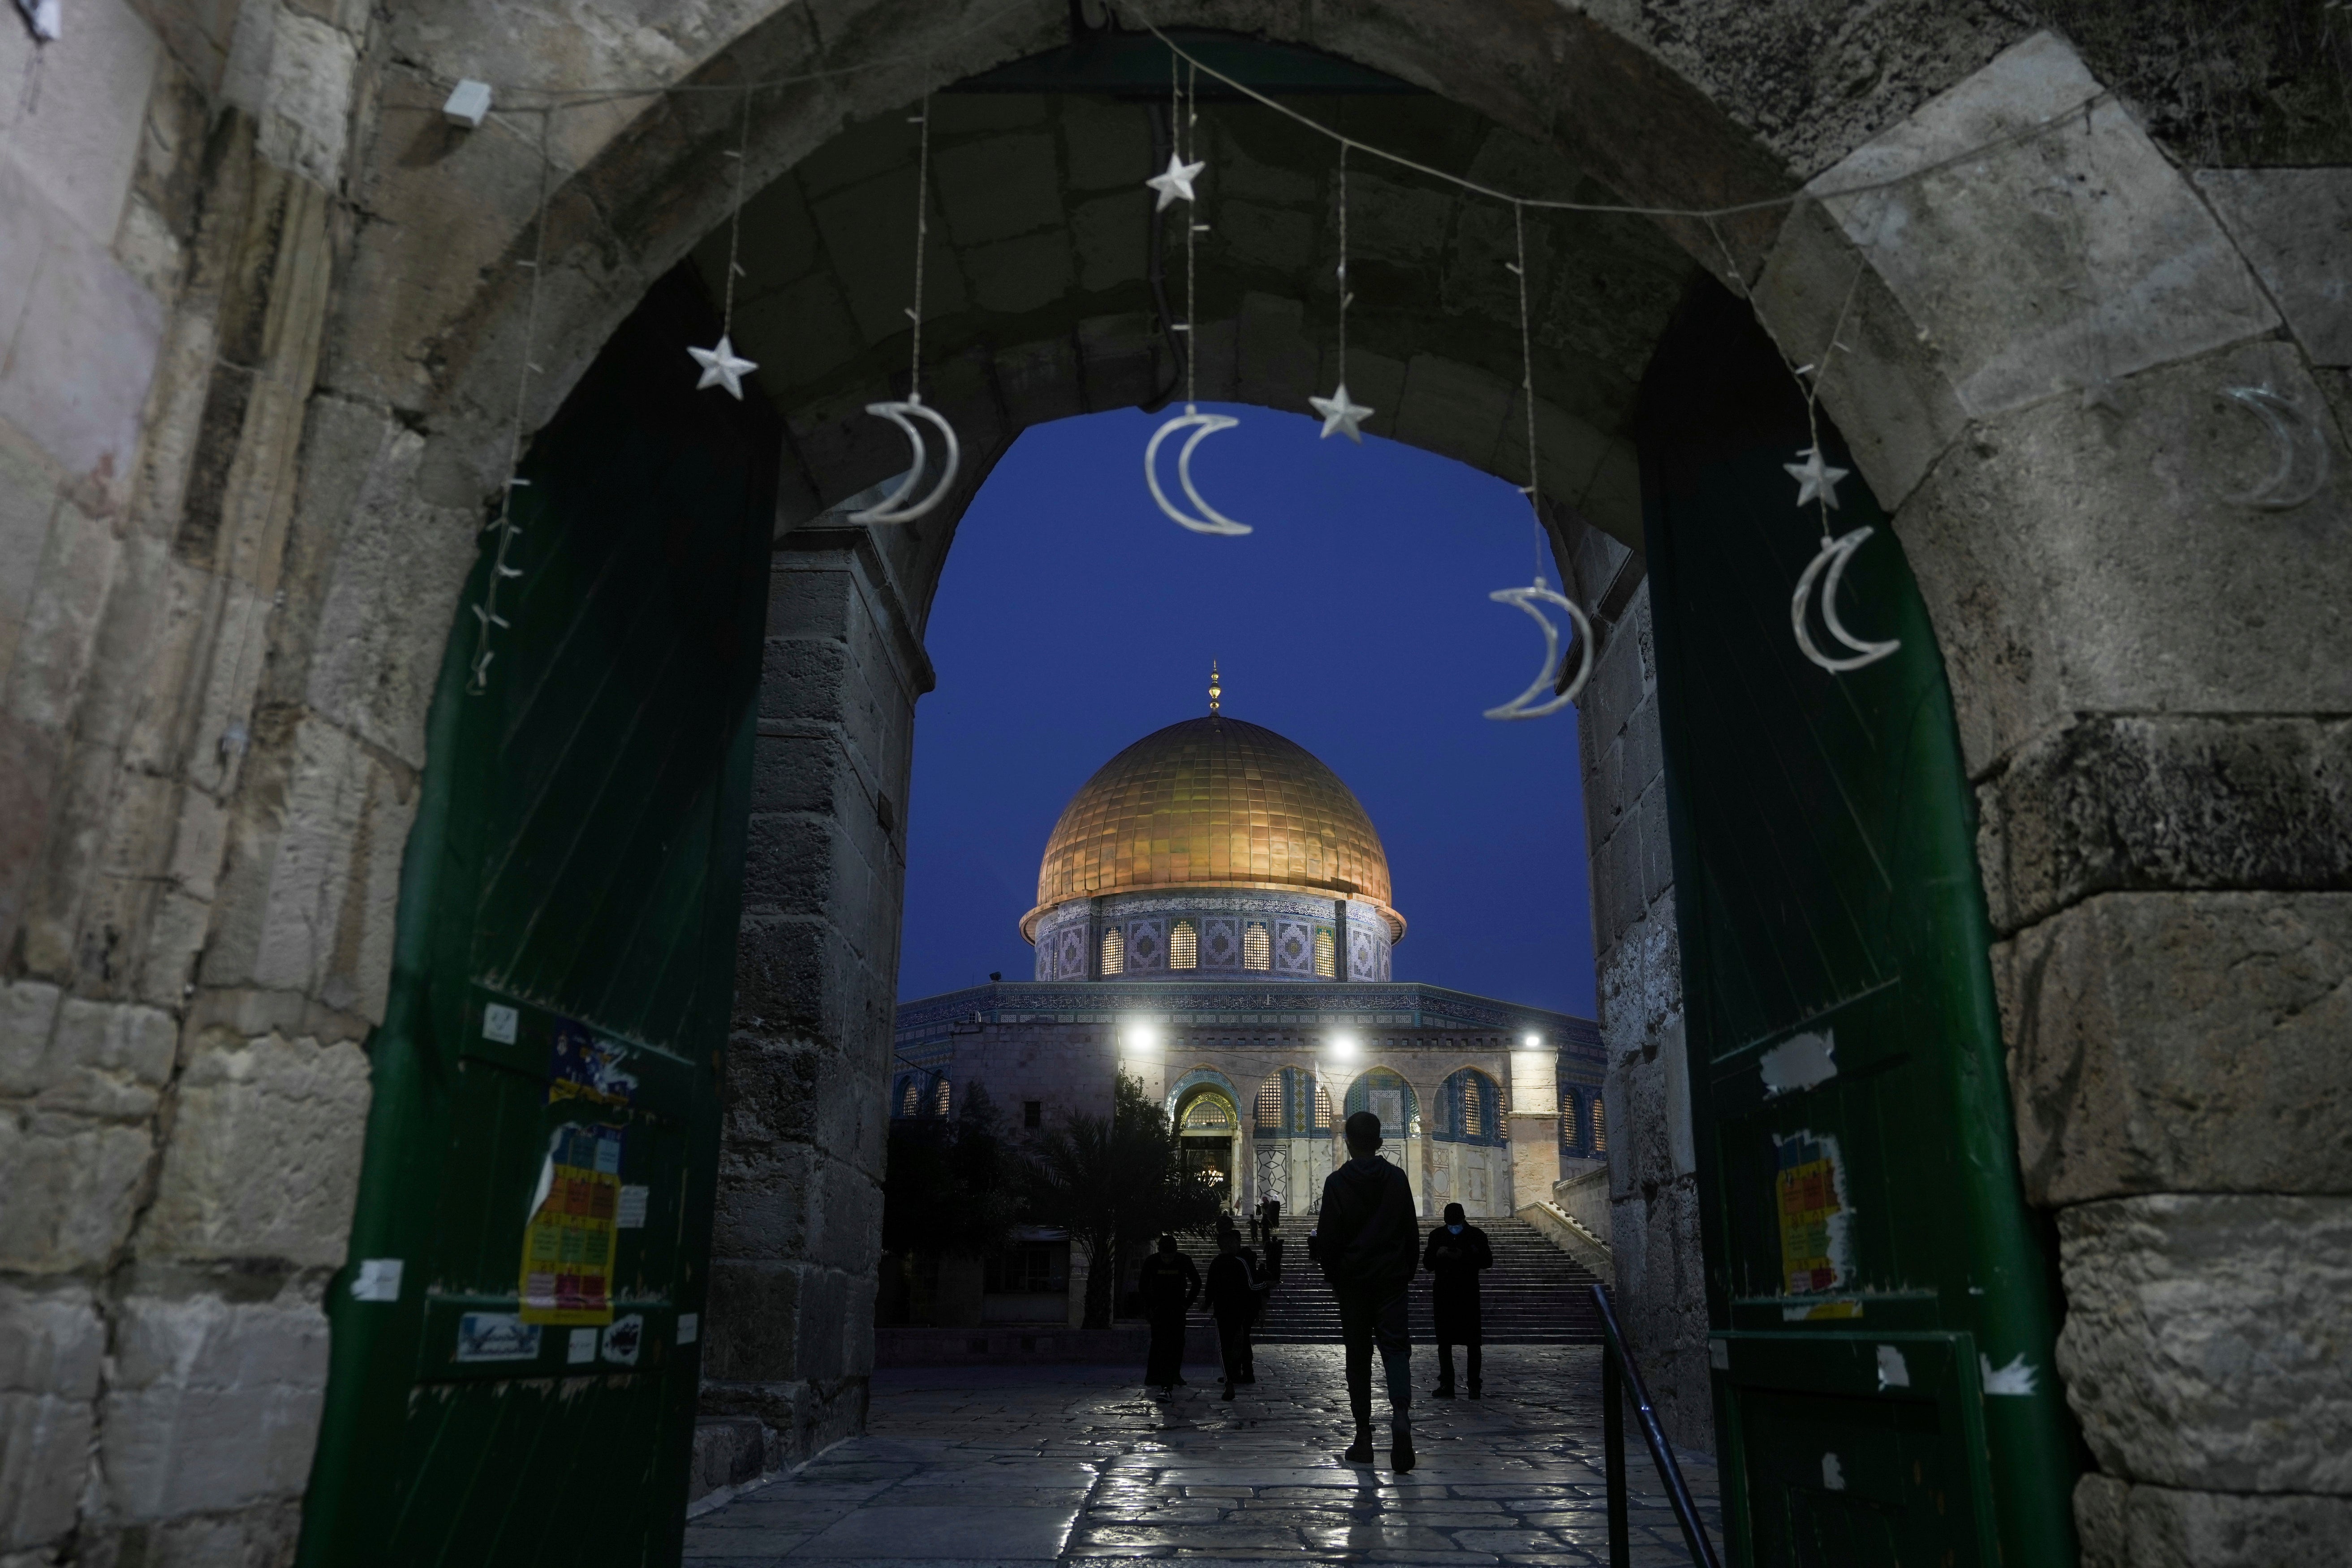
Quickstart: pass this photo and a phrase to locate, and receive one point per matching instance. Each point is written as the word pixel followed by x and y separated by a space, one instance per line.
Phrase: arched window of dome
pixel 1257 946
pixel 1326 954
pixel 1470 1109
pixel 1207 1113
pixel 1600 1131
pixel 910 1096
pixel 940 1097
pixel 1114 952
pixel 1183 946
pixel 1572 1121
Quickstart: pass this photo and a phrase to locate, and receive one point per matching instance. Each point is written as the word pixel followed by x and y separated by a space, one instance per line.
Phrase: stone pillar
pixel 1079 1266
pixel 790 1338
pixel 1534 1125
pixel 1654 1226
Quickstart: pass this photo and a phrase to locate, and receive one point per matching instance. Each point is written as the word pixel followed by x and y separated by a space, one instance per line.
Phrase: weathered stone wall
pixel 2135 587
pixel 181 1089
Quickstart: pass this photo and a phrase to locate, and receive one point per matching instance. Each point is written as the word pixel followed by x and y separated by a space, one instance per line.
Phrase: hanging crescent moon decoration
pixel 1204 518
pixel 1834 555
pixel 1525 705
pixel 888 509
pixel 2295 434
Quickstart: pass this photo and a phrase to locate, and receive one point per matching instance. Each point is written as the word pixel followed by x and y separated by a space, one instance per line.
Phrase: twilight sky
pixel 1074 618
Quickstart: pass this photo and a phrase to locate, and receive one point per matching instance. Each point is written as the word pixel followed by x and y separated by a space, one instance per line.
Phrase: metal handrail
pixel 1619 1376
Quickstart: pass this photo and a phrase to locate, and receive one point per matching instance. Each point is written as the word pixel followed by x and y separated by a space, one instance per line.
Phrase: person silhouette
pixel 1235 1292
pixel 1367 1242
pixel 1168 1282
pixel 1457 1250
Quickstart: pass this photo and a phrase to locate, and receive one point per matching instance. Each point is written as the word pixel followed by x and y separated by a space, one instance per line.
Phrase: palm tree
pixel 1114 1181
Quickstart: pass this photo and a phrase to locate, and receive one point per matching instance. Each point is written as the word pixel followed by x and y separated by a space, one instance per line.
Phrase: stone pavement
pixel 1027 1465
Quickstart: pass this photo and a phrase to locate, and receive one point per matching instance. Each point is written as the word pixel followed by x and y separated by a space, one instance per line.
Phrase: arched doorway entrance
pixel 844 664
pixel 854 603
pixel 1209 1139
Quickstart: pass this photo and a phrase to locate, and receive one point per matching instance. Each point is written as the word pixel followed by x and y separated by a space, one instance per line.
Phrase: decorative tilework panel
pixel 1293 950
pixel 1070 954
pixel 1146 947
pixel 1220 942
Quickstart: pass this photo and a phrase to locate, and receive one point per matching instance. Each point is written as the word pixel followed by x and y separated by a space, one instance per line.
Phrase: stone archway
pixel 242 898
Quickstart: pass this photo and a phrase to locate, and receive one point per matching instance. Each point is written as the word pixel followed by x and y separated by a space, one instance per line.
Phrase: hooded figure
pixel 1368 1240
pixel 1457 1250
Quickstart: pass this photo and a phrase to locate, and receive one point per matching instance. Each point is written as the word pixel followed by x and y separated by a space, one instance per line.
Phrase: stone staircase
pixel 1535 1295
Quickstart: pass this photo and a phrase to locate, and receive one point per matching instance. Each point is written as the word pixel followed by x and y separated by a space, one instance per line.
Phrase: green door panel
pixel 563 977
pixel 1858 1451
pixel 1857 1170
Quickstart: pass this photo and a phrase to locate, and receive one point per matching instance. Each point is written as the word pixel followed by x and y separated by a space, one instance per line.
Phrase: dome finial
pixel 1215 691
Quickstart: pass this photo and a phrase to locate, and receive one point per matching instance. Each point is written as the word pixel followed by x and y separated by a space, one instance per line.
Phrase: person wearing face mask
pixel 1457 1250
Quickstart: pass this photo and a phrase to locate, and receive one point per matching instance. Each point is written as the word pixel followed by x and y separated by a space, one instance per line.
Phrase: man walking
pixel 1367 1242
pixel 1457 1250
pixel 1236 1293
pixel 1168 1282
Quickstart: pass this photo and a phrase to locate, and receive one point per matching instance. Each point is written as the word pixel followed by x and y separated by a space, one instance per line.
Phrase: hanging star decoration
pixel 721 366
pixel 1814 477
pixel 1176 184
pixel 1341 417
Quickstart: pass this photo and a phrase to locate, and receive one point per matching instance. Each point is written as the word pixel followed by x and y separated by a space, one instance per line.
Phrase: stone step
pixel 1534 1294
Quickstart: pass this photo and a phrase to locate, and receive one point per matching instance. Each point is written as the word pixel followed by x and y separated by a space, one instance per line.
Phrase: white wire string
pixel 1765 203
pixel 1188 139
pixel 1809 390
pixel 1345 297
pixel 1527 381
pixel 922 241
pixel 487 612
pixel 735 219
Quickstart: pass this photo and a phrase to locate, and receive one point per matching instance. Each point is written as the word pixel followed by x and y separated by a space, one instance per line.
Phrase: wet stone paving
pixel 1035 1464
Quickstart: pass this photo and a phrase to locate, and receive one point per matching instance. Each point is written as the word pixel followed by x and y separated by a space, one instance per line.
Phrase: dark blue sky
pixel 1074 619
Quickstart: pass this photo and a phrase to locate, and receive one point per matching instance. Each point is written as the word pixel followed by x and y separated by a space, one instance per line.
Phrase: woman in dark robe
pixel 1168 1282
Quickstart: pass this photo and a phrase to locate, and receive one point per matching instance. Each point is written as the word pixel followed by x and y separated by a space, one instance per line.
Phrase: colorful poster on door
pixel 1815 1253
pixel 568 1243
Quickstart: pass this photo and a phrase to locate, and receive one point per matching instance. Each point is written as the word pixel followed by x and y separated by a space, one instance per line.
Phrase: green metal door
pixel 1877 1289
pixel 515 1342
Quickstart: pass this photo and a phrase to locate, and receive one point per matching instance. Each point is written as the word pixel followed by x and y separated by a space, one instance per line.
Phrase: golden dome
pixel 1214 802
